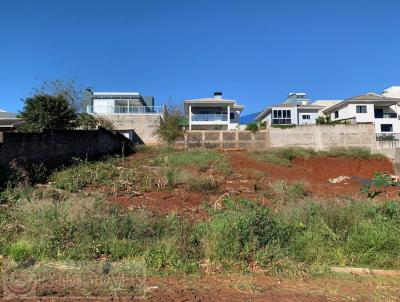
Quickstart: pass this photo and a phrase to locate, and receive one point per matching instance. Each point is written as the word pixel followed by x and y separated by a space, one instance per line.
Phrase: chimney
pixel 217 95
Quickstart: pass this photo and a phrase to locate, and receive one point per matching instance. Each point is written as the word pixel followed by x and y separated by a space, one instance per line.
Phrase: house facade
pixel 214 113
pixel 9 121
pixel 295 110
pixel 133 115
pixel 369 108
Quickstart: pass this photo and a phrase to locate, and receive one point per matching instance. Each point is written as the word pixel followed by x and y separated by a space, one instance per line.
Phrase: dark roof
pixel 10 122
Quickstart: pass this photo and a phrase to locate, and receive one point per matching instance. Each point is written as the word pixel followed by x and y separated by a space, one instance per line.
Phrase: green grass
pixel 202 159
pixel 302 237
pixel 284 156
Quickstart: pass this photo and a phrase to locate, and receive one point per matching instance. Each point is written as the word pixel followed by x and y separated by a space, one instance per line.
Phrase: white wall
pixel 314 114
pixel 102 106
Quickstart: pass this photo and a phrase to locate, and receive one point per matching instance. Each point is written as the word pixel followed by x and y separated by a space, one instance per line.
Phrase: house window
pixel 336 114
pixel 361 109
pixel 281 117
pixel 232 115
pixel 306 117
pixel 386 128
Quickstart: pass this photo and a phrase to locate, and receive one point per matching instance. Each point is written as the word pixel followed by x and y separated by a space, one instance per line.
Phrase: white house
pixel 9 121
pixel 369 108
pixel 295 110
pixel 132 114
pixel 213 113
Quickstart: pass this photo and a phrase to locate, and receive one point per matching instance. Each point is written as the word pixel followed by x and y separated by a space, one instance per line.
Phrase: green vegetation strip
pixel 283 156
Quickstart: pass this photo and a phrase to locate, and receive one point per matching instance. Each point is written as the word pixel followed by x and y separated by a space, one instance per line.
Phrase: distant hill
pixel 247 119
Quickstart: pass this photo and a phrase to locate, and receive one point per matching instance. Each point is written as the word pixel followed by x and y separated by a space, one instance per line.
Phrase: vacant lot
pixel 209 225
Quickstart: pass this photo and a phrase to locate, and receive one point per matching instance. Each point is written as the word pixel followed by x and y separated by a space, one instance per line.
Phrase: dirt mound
pixel 315 171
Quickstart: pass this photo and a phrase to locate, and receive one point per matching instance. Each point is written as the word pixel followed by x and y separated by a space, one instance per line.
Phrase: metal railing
pixel 125 109
pixel 200 117
pixel 386 115
pixel 388 137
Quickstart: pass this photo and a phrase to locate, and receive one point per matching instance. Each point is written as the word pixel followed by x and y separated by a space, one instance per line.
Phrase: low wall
pixel 223 140
pixel 143 125
pixel 317 137
pixel 55 147
pixel 324 137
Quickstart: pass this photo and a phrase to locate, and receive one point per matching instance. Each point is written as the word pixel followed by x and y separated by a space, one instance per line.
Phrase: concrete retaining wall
pixel 317 137
pixel 144 125
pixel 324 137
pixel 55 147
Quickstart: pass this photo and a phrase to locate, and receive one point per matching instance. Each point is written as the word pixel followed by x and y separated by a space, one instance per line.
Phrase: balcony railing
pixel 199 117
pixel 388 136
pixel 386 115
pixel 125 109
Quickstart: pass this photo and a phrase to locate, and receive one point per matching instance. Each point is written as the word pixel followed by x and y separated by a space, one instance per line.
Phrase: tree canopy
pixel 47 111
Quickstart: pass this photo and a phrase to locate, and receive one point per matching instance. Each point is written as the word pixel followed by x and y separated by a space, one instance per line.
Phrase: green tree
pixel 170 128
pixel 253 127
pixel 67 88
pixel 322 120
pixel 87 121
pixel 47 111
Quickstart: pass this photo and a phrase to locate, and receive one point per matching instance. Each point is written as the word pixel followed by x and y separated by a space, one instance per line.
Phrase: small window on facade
pixel 306 117
pixel 336 114
pixel 386 128
pixel 232 115
pixel 361 109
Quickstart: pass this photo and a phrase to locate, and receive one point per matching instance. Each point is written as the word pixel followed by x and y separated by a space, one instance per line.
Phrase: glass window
pixel 306 117
pixel 232 115
pixel 361 109
pixel 386 128
pixel 336 114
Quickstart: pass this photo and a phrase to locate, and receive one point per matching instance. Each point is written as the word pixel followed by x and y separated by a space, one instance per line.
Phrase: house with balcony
pixel 369 108
pixel 296 109
pixel 131 114
pixel 215 113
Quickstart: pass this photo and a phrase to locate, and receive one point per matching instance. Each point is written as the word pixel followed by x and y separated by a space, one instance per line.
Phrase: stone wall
pixel 56 147
pixel 317 137
pixel 144 125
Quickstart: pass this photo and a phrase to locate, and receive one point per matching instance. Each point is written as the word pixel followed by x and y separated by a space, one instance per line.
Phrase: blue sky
pixel 253 51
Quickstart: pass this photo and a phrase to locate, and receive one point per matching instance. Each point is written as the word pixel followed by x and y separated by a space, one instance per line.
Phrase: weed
pixel 284 156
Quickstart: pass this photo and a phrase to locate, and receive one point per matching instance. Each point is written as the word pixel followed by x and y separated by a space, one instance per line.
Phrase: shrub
pixel 253 127
pixel 170 128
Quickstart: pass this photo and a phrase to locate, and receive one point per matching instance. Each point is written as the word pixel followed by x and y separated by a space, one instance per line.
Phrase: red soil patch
pixel 177 201
pixel 315 171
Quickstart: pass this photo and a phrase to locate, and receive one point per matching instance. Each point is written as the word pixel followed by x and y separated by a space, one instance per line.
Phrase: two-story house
pixel 213 113
pixel 295 110
pixel 132 114
pixel 369 108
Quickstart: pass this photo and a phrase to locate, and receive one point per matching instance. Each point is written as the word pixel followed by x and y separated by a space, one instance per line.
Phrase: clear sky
pixel 253 51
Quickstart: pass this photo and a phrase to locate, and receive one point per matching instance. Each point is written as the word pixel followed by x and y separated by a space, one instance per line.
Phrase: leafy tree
pixel 87 121
pixel 170 128
pixel 323 120
pixel 253 127
pixel 67 88
pixel 47 111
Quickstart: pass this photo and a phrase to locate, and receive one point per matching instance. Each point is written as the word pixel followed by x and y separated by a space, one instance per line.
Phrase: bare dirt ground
pixel 315 173
pixel 251 287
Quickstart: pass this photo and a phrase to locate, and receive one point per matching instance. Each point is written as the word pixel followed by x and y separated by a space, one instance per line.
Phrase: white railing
pixel 125 109
pixel 211 117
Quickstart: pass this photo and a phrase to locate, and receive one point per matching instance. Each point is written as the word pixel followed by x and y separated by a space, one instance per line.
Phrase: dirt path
pixel 314 171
